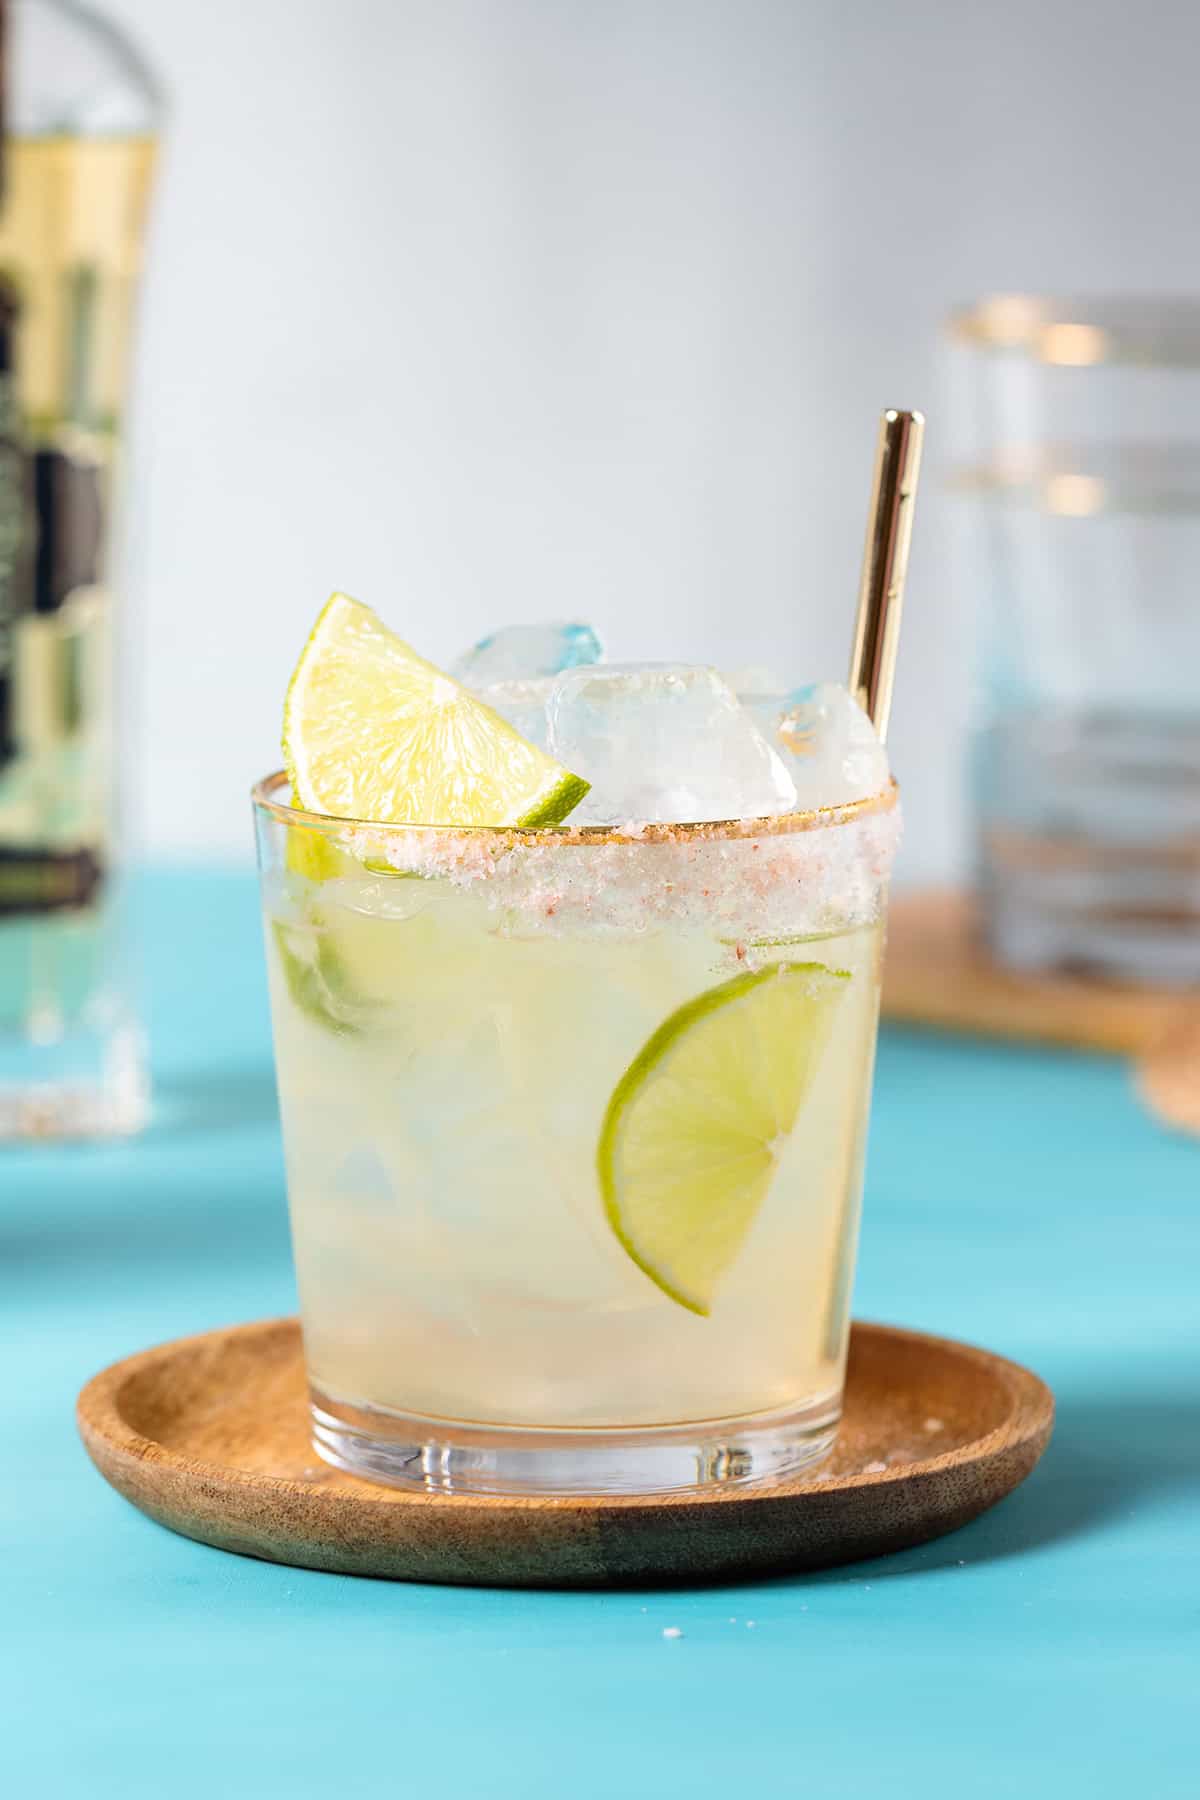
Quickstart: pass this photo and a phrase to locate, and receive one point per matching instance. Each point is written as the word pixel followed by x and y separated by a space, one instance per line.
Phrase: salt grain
pixel 672 1631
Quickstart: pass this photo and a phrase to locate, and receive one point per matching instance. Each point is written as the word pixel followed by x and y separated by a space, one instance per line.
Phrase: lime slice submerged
pixel 317 979
pixel 372 731
pixel 695 1126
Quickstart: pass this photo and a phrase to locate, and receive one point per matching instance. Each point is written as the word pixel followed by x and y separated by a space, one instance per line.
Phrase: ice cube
pixel 663 742
pixel 830 745
pixel 523 652
pixel 755 678
pixel 523 704
pixel 378 897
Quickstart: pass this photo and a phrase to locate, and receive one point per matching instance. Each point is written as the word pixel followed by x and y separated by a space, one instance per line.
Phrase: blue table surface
pixel 1018 1198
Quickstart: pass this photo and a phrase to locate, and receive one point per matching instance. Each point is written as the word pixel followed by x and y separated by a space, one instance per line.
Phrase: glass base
pixel 447 1457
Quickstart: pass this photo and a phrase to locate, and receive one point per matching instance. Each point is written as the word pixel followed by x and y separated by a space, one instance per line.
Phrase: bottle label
pixel 38 881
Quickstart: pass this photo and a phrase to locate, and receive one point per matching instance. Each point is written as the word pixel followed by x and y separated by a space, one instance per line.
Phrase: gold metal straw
pixel 885 564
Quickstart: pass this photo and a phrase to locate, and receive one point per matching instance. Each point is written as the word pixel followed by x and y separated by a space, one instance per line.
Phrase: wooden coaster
pixel 209 1436
pixel 937 972
pixel 1168 1075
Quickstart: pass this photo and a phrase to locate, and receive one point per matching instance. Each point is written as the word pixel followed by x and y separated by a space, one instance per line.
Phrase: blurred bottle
pixel 79 127
pixel 1079 462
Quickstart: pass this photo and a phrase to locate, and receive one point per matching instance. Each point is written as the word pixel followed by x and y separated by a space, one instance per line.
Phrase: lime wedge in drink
pixel 695 1126
pixel 312 855
pixel 372 731
pixel 317 980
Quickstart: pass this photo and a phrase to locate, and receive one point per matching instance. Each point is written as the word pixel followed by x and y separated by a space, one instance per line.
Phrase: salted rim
pixel 772 825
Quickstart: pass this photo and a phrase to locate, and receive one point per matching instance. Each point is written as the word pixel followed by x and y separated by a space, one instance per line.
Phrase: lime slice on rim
pixel 695 1126
pixel 373 731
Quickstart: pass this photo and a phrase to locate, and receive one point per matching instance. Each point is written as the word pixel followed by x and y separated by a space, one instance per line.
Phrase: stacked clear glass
pixel 1078 457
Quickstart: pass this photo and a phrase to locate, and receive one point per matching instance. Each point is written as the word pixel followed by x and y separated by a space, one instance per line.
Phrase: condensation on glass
pixel 1077 466
pixel 78 152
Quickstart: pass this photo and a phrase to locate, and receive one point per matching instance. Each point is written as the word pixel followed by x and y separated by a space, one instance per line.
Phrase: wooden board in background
pixel 1168 1075
pixel 937 972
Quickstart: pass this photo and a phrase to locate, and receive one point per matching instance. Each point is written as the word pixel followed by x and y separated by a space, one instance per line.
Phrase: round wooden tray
pixel 209 1435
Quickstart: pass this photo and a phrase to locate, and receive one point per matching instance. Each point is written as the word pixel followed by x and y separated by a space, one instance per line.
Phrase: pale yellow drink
pixel 449 1040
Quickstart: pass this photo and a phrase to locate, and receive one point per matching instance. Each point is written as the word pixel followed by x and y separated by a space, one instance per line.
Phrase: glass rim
pixel 1080 330
pixel 263 793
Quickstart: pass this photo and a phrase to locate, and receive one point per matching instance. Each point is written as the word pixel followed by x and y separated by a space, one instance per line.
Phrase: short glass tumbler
pixel 574 1122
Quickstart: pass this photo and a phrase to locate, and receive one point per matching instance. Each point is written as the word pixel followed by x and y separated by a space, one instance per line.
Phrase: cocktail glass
pixel 574 1123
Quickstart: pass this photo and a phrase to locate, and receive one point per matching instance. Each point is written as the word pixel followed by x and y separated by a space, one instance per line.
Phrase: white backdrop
pixel 499 309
